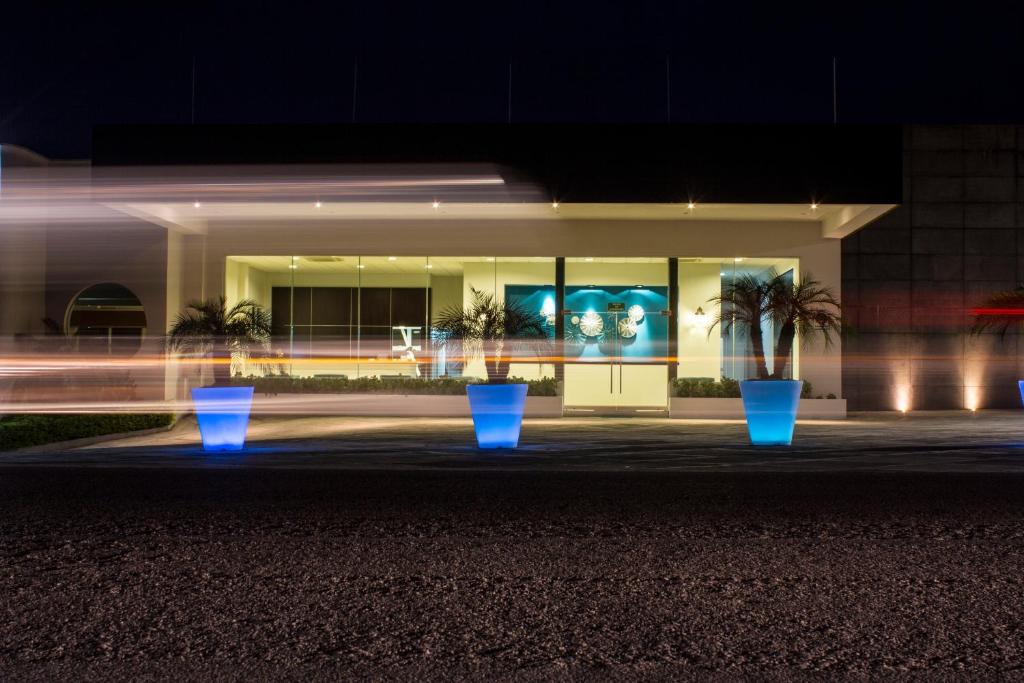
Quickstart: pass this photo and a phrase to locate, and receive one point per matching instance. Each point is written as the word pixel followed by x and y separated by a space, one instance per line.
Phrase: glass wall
pixel 372 316
pixel 617 322
pixel 724 351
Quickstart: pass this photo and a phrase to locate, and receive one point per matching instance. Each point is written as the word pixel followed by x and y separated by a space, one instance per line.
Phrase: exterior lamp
pixel 691 205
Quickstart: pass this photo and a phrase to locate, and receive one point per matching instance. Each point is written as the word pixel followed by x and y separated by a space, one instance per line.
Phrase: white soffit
pixel 837 221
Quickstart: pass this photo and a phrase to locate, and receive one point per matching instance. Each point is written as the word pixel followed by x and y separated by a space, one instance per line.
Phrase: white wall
pixel 130 253
pixel 700 354
pixel 22 279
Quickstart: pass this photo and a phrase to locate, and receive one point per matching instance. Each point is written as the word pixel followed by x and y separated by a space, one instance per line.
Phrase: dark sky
pixel 68 66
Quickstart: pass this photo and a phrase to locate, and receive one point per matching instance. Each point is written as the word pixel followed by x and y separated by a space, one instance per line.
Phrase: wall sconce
pixel 697 322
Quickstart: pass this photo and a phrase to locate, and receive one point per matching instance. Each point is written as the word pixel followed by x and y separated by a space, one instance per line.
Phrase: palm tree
pixel 744 301
pixel 504 329
pixel 210 327
pixel 806 307
pixel 999 312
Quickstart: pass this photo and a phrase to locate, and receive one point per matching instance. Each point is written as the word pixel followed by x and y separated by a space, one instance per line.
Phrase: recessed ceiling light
pixel 317 205
pixel 738 259
pixel 392 258
pixel 589 259
pixel 490 258
pixel 436 204
pixel 196 204
pixel 554 205
pixel 691 205
pixel 814 206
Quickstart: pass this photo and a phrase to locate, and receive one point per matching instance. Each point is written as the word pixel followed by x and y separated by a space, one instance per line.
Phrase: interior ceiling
pixel 448 265
pixel 408 265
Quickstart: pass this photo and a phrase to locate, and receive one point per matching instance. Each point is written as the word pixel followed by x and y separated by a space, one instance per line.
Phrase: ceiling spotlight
pixel 691 205
pixel 814 206
pixel 195 204
pixel 436 204
pixel 392 258
pixel 554 204
pixel 317 205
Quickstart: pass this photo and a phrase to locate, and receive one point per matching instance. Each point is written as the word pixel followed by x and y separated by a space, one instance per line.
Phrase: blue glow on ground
pixel 223 416
pixel 497 413
pixel 770 407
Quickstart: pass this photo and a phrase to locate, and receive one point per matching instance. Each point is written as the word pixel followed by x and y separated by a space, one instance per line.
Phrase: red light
pixel 998 311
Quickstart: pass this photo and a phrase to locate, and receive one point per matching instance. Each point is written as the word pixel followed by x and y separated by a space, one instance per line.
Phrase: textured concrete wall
pixel 910 279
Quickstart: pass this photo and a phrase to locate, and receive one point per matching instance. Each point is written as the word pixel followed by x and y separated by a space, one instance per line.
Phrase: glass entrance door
pixel 616 336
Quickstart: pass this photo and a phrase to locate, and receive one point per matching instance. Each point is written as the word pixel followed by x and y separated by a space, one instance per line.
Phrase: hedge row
pixel 19 431
pixel 706 387
pixel 444 386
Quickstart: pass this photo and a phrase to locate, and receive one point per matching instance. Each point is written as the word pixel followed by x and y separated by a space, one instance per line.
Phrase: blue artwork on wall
pixel 634 330
pixel 537 298
pixel 616 321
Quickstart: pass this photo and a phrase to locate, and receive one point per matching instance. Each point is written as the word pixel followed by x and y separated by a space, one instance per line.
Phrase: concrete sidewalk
pixel 989 441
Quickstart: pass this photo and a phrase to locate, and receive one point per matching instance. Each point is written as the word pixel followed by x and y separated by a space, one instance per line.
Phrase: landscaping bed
pixel 20 431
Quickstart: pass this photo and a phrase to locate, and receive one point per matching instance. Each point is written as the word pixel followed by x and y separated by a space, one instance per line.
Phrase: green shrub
pixel 706 387
pixel 19 431
pixel 443 386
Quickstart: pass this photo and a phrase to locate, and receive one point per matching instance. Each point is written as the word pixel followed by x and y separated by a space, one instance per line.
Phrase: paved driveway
pixel 990 441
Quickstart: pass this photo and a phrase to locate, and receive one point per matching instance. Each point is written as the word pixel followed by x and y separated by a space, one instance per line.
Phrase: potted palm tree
pixel 999 313
pixel 211 329
pixel 770 401
pixel 500 331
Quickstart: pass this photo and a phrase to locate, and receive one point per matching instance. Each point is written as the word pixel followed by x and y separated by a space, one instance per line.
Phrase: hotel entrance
pixel 616 318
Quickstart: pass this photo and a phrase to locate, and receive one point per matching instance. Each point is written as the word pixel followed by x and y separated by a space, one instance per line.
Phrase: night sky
pixel 66 67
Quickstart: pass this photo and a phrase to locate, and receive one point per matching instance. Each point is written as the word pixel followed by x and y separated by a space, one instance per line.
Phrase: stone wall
pixel 911 278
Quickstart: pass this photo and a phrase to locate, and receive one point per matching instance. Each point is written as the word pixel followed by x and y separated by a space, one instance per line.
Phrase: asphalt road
pixel 243 574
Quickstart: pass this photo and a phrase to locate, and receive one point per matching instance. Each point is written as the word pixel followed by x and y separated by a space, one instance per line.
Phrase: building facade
pixel 357 239
pixel 911 278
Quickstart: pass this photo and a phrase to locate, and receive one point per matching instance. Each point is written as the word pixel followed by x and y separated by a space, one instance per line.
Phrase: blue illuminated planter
pixel 223 416
pixel 770 406
pixel 497 413
pixel 1020 386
